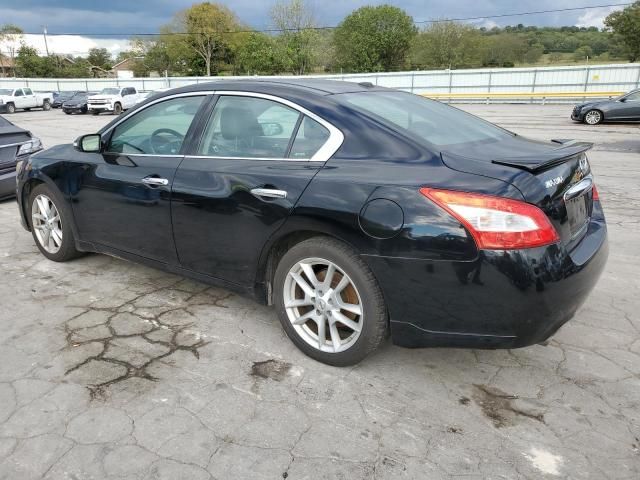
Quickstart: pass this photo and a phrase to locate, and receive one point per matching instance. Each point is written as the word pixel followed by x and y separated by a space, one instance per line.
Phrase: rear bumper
pixel 503 299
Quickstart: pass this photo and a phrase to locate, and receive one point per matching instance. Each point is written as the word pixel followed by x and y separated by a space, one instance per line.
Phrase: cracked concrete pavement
pixel 110 370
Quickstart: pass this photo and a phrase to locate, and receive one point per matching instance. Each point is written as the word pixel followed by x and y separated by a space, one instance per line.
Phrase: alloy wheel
pixel 47 223
pixel 593 117
pixel 323 305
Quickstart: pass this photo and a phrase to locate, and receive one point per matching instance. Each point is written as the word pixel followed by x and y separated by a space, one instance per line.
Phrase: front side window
pixel 18 93
pixel 429 120
pixel 249 127
pixel 634 97
pixel 159 129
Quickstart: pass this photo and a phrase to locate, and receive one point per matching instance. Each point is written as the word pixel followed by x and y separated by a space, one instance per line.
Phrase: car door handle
pixel 155 181
pixel 269 193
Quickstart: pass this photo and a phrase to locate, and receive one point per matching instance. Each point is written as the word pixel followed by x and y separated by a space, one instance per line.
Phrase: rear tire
pixel 348 304
pixel 50 222
pixel 593 117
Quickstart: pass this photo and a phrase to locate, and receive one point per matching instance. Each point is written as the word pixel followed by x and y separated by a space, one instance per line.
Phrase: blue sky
pixel 146 16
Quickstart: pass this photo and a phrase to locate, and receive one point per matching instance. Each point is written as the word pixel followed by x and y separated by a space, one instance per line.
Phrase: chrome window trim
pixel 324 153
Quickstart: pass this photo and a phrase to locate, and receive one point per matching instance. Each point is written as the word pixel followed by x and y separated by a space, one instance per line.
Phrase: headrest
pixel 237 122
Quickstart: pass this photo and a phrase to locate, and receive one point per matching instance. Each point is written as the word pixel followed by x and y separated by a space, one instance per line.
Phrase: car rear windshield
pixel 435 122
pixel 110 91
pixel 5 91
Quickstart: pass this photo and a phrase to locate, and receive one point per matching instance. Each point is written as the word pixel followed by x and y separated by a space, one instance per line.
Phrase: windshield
pixel 5 91
pixel 79 96
pixel 110 91
pixel 435 122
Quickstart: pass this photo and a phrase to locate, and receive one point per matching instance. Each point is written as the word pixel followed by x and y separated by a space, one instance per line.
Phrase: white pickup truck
pixel 12 99
pixel 113 99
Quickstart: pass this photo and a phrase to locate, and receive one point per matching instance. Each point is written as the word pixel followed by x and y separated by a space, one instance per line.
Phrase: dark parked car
pixel 355 210
pixel 625 108
pixel 77 103
pixel 16 144
pixel 64 97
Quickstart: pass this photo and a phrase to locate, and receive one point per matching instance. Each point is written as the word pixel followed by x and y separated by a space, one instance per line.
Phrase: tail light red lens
pixel 596 195
pixel 496 223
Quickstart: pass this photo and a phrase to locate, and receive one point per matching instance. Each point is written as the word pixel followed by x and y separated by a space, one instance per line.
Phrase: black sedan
pixel 625 108
pixel 16 144
pixel 77 103
pixel 356 211
pixel 64 97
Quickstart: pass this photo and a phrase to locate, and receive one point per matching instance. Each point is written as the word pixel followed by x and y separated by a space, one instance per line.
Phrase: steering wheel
pixel 159 143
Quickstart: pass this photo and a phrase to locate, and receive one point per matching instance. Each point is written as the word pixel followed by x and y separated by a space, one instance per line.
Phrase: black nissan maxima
pixel 357 211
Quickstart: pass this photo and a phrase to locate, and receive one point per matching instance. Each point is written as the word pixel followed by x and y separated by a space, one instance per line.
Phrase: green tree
pixel 30 64
pixel 374 38
pixel 582 53
pixel 259 54
pixel 446 44
pixel 296 22
pixel 626 24
pixel 203 29
pixel 100 57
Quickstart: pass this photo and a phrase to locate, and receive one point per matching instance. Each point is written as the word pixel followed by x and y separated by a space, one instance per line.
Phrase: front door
pixel 630 108
pixel 123 196
pixel 255 158
pixel 20 100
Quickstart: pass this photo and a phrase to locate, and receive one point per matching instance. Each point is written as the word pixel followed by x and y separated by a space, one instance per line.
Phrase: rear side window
pixel 249 127
pixel 310 138
pixel 432 121
pixel 27 91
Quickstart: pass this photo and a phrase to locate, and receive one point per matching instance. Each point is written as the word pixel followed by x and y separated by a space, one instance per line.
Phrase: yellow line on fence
pixel 522 95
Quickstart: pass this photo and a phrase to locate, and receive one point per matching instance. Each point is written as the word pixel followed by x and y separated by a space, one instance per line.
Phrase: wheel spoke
pixel 43 207
pixel 51 244
pixel 322 332
pixel 299 302
pixel 331 271
pixel 302 283
pixel 311 275
pixel 344 281
pixel 335 336
pixel 39 216
pixel 46 235
pixel 57 237
pixel 350 307
pixel 304 318
pixel 346 321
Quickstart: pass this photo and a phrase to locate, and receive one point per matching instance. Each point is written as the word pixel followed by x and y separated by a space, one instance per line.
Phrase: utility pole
pixel 46 46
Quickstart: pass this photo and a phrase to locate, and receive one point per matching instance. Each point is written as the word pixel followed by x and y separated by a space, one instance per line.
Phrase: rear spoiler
pixel 540 161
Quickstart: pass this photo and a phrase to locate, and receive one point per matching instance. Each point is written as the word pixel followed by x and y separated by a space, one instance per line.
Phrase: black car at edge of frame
pixel 357 211
pixel 16 144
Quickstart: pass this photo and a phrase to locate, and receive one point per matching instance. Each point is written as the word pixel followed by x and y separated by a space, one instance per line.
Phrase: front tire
pixel 94 112
pixel 329 303
pixel 50 225
pixel 46 106
pixel 117 109
pixel 11 108
pixel 593 117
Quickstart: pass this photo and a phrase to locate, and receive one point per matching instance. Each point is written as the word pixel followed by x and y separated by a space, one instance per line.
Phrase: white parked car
pixel 12 99
pixel 113 99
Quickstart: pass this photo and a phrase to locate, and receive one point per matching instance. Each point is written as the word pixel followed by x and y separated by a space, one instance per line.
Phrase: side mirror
pixel 91 143
pixel 271 129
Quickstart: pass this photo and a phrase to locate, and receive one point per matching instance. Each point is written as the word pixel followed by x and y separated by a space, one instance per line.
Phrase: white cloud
pixel 70 44
pixel 595 17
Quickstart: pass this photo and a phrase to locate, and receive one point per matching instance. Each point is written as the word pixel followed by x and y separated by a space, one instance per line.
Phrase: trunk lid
pixel 555 176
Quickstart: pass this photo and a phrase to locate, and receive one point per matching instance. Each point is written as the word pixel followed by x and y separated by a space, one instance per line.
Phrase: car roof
pixel 312 86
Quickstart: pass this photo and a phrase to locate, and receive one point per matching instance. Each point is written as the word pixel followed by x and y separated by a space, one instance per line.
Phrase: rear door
pixel 256 156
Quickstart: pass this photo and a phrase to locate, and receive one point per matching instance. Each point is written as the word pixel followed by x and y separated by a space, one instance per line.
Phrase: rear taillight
pixel 496 223
pixel 596 195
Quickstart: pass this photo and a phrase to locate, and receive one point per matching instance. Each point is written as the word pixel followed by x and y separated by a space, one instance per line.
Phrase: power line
pixel 282 30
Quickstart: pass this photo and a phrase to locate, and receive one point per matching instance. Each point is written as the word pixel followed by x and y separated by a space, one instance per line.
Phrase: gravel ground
pixel 110 370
